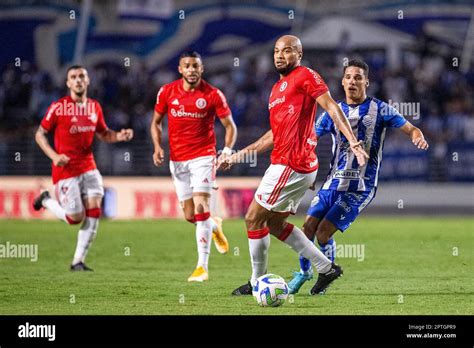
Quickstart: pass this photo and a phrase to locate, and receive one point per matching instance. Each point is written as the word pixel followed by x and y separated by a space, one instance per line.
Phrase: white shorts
pixel 282 189
pixel 70 192
pixel 196 175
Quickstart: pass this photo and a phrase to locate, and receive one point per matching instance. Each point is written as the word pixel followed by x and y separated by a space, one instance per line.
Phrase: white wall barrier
pixel 127 197
pixel 154 198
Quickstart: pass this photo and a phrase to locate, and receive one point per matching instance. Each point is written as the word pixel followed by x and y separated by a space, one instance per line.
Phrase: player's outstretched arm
pixel 341 122
pixel 263 144
pixel 110 136
pixel 59 160
pixel 156 130
pixel 416 135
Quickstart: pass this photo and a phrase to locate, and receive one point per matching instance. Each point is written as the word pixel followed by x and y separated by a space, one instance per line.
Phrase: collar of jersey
pixel 355 105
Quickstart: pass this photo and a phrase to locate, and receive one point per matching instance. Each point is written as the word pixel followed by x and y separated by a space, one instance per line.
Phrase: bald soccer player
pixel 294 164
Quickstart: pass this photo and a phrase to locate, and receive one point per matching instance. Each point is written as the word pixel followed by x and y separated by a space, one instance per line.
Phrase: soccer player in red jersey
pixel 294 163
pixel 191 105
pixel 74 120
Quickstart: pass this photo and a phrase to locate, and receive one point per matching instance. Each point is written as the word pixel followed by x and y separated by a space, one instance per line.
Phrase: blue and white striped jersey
pixel 369 122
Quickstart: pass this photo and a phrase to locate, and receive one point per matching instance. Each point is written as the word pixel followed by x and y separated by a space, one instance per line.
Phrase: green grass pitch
pixel 411 266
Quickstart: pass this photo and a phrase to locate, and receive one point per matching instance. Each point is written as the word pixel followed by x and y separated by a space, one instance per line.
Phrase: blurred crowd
pixel 128 94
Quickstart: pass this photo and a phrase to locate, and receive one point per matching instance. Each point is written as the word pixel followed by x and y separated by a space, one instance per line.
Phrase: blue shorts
pixel 340 207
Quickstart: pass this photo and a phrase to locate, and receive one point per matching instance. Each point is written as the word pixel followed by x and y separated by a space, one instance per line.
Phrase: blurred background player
pixel 74 120
pixel 294 163
pixel 191 105
pixel 350 187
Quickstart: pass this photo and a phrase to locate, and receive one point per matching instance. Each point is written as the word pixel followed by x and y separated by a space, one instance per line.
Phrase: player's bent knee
pixel 74 219
pixel 309 229
pixel 191 218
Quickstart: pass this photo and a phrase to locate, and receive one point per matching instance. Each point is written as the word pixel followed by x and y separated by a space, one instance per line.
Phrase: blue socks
pixel 328 249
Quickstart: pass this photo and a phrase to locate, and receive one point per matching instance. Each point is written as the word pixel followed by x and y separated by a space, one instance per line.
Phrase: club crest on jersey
pixel 201 103
pixel 367 121
pixel 283 86
pixel 93 117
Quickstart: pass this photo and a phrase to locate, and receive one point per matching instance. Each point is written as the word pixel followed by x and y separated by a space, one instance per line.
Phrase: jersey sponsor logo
pixel 78 129
pixel 201 103
pixel 276 102
pixel 343 205
pixel 283 86
pixel 347 174
pixel 182 113
pixel 175 102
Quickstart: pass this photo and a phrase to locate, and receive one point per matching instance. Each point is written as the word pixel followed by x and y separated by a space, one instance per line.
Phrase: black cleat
pixel 324 280
pixel 80 267
pixel 245 289
pixel 38 202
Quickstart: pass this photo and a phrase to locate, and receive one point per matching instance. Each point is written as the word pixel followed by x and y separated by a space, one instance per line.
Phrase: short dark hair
pixel 359 64
pixel 191 54
pixel 73 67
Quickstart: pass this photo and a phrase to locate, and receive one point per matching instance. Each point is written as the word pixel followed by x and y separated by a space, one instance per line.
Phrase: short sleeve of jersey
pixel 161 105
pixel 323 124
pixel 222 109
pixel 391 117
pixel 101 125
pixel 49 120
pixel 313 84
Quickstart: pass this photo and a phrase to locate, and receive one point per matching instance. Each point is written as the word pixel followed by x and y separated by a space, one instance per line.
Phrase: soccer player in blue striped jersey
pixel 349 188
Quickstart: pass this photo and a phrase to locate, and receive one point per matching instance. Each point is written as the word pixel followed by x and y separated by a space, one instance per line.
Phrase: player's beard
pixel 285 70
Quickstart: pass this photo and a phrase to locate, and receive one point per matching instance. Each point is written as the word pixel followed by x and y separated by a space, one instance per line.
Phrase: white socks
pixel 298 241
pixel 85 238
pixel 203 238
pixel 54 207
pixel 259 242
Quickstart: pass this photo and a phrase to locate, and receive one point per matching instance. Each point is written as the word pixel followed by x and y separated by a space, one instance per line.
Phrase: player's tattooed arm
pixel 263 144
pixel 59 160
pixel 341 122
pixel 416 135
pixel 110 136
pixel 156 130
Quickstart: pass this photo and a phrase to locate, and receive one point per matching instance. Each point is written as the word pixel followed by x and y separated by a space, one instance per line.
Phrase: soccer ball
pixel 270 290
